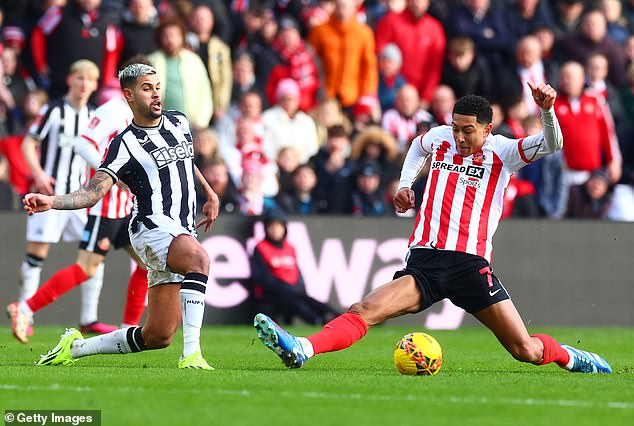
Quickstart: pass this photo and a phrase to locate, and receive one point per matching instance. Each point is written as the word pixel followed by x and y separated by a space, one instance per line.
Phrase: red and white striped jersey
pixel 109 120
pixel 463 199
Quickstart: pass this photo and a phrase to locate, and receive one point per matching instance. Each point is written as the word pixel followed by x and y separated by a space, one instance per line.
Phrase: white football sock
pixel 306 346
pixel 29 280
pixel 121 341
pixel 25 309
pixel 192 309
pixel 90 292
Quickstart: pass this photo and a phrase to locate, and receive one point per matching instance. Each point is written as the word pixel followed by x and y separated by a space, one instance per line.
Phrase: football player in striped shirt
pixel 153 157
pixel 107 225
pixel 58 169
pixel 450 247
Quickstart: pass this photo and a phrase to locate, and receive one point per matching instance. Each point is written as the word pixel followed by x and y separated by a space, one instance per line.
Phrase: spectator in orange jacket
pixel 346 49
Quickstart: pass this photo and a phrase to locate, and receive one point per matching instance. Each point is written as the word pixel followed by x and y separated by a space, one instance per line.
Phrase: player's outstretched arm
pixel 211 207
pixel 86 196
pixel 550 139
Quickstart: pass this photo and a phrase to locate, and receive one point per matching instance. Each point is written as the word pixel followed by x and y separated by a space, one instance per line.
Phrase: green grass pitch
pixel 479 383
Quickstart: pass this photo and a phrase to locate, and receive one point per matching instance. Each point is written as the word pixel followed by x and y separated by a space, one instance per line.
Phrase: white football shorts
pixel 52 225
pixel 152 245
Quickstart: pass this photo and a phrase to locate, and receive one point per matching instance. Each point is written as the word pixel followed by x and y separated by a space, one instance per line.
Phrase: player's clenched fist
pixel 543 94
pixel 404 200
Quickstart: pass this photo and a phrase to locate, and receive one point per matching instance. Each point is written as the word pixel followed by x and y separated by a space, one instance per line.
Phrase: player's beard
pixel 153 114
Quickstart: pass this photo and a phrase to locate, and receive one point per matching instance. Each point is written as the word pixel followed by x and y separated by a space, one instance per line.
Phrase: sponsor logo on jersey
pixel 165 155
pixel 469 182
pixel 469 170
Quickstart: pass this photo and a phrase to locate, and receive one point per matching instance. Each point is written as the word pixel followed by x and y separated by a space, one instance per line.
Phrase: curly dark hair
pixel 476 106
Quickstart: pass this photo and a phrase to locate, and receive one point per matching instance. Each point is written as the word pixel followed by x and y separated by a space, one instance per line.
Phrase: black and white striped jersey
pixel 56 127
pixel 156 163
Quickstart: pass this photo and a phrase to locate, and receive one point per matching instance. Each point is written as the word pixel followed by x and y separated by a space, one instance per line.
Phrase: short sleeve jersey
pixel 156 163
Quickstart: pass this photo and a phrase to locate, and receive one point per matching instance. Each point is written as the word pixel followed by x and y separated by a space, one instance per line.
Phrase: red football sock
pixel 552 351
pixel 58 284
pixel 339 333
pixel 135 301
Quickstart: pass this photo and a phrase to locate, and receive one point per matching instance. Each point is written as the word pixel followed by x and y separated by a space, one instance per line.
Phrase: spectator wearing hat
pixel 368 197
pixel 299 62
pixel 13 37
pixel 365 113
pixel 377 145
pixel 590 200
pixel 347 52
pixel 390 77
pixel 277 285
pixel 421 39
pixel 334 171
pixel 286 125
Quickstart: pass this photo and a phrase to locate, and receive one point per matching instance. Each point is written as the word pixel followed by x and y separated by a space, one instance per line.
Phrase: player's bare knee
pixel 365 310
pixel 199 261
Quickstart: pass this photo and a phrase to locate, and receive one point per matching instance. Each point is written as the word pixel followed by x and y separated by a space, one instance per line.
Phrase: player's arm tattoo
pixel 86 196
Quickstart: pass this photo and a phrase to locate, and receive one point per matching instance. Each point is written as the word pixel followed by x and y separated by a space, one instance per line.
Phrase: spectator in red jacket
pixel 277 283
pixel 299 62
pixel 585 129
pixel 421 39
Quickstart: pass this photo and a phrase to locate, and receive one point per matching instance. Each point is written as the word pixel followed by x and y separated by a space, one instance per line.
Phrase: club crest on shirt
pixel 93 123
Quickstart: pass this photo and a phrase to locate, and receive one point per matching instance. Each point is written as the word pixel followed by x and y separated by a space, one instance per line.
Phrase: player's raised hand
pixel 543 94
pixel 37 203
pixel 404 200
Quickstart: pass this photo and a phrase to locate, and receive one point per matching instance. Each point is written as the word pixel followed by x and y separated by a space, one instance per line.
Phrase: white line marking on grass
pixel 51 387
pixel 355 396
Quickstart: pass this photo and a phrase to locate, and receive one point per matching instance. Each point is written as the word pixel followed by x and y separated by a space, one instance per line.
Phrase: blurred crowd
pixel 308 106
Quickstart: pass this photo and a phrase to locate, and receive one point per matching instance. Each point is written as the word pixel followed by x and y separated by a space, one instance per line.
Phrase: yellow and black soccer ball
pixel 418 354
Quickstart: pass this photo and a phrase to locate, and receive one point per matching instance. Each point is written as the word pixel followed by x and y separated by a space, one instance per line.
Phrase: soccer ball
pixel 418 354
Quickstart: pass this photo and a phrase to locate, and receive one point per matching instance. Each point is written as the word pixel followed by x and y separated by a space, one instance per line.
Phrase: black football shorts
pixel 465 279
